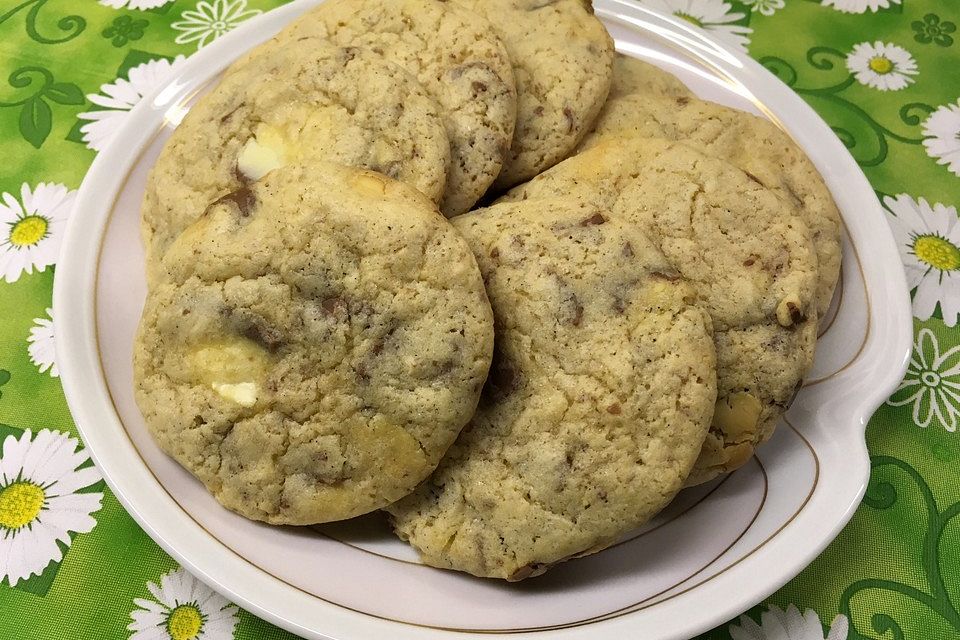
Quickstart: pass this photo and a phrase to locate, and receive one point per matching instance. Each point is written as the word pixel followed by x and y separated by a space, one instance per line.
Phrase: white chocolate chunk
pixel 257 160
pixel 243 393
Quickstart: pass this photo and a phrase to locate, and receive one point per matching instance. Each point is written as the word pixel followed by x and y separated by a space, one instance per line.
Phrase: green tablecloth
pixel 884 73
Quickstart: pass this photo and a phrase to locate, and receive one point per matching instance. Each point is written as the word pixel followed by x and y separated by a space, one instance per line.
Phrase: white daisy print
pixel 883 66
pixel 41 345
pixel 183 608
pixel 142 5
pixel 765 7
pixel 208 21
pixel 31 228
pixel 777 624
pixel 715 16
pixel 942 129
pixel 859 6
pixel 932 383
pixel 39 503
pixel 929 241
pixel 121 95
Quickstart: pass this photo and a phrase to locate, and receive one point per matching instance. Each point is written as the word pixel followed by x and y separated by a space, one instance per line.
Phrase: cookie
pixel 597 404
pixel 314 344
pixel 457 58
pixel 749 256
pixel 562 60
pixel 753 144
pixel 309 100
pixel 631 75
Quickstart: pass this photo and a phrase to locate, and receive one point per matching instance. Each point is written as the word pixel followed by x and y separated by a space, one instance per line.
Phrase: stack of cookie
pixel 333 328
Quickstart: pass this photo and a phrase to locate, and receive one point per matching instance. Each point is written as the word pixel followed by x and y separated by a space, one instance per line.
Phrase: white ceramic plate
pixel 716 551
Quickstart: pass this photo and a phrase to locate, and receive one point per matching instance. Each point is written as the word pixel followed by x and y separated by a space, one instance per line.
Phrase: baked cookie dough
pixel 755 145
pixel 562 61
pixel 631 75
pixel 457 58
pixel 746 252
pixel 314 344
pixel 597 404
pixel 309 100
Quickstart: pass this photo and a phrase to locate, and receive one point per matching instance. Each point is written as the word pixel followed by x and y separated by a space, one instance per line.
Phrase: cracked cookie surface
pixel 458 59
pixel 308 100
pixel 597 404
pixel 747 253
pixel 315 342
pixel 753 144
pixel 562 61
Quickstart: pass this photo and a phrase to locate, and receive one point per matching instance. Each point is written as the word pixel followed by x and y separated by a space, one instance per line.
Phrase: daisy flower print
pixel 883 66
pixel 41 345
pixel 928 237
pixel 182 608
pixel 117 98
pixel 942 131
pixel 789 624
pixel 40 505
pixel 210 20
pixel 715 16
pixel 931 386
pixel 31 228
pixel 859 6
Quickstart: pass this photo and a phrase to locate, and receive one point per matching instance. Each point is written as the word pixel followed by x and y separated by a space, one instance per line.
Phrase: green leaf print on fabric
pixel 4 379
pixel 36 120
pixel 866 138
pixel 72 26
pixel 124 29
pixel 64 93
pixel 931 29
pixel 36 116
pixel 886 487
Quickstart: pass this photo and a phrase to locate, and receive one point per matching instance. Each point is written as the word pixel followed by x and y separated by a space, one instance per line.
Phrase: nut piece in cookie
pixel 747 253
pixel 313 344
pixel 598 400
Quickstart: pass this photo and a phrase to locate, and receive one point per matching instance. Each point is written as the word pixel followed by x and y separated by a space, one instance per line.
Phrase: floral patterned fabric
pixel 885 74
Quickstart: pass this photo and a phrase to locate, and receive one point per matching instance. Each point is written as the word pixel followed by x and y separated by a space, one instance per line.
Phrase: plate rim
pixel 887 350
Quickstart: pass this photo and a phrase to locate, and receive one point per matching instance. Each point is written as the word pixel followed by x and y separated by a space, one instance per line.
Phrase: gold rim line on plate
pixel 816 480
pixel 602 617
pixel 836 314
pixel 866 334
pixel 637 536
